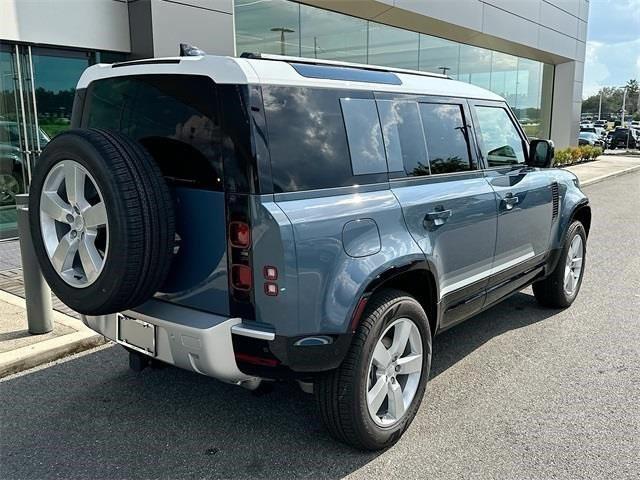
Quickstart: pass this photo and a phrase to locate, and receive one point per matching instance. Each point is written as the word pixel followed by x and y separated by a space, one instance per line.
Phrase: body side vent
pixel 555 196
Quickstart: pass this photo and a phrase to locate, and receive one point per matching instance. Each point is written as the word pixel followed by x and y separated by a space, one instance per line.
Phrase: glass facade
pixel 283 26
pixel 37 86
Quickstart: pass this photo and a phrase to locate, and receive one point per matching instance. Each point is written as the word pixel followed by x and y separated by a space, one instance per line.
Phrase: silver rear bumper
pixel 189 339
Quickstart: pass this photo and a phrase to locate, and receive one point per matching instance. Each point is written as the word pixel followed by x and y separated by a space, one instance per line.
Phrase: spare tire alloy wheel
pixel 74 223
pixel 102 221
pixel 394 372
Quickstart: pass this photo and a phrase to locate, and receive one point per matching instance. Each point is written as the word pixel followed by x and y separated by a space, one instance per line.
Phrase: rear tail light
pixel 239 235
pixel 241 277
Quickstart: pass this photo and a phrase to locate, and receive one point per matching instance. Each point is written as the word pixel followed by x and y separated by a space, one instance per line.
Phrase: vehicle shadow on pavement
pixel 90 417
pixel 518 311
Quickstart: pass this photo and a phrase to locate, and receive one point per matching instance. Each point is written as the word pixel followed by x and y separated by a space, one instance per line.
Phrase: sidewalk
pixel 19 350
pixel 606 166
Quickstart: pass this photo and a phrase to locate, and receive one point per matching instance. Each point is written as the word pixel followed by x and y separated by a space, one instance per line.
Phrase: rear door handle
pixel 510 200
pixel 437 217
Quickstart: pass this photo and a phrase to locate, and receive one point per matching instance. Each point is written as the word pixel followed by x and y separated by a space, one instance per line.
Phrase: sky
pixel 613 44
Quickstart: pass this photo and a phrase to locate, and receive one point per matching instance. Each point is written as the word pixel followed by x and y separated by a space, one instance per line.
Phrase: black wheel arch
pixel 409 278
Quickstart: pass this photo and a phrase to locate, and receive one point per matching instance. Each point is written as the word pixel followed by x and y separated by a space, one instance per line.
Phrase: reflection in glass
pixel 12 168
pixel 500 142
pixel 55 78
pixel 475 66
pixel 446 135
pixel 174 118
pixel 438 55
pixel 504 76
pixel 269 26
pixel 392 46
pixel 363 133
pixel 403 137
pixel 307 139
pixel 332 36
pixel 318 33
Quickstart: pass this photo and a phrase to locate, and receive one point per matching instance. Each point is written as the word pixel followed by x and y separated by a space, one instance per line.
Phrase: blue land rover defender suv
pixel 265 217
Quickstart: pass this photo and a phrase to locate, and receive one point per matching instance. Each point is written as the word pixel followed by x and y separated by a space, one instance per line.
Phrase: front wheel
pixel 371 399
pixel 561 287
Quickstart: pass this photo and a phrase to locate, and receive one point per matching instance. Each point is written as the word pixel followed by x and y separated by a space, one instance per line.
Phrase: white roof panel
pixel 275 72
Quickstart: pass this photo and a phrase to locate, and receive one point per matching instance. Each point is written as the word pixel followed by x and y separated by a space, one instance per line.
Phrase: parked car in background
pixel 590 138
pixel 597 130
pixel 624 138
pixel 600 123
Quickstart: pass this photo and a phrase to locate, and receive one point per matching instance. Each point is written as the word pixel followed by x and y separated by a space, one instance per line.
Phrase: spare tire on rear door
pixel 102 221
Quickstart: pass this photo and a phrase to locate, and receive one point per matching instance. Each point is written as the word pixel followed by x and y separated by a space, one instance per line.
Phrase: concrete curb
pixel 48 350
pixel 610 175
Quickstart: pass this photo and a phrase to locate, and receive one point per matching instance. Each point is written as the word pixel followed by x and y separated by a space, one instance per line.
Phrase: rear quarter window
pixel 308 142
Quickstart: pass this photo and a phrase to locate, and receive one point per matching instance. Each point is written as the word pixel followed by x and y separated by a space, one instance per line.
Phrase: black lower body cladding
pixel 132 244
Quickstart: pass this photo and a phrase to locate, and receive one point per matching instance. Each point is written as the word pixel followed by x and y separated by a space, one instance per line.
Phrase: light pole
pixel 600 105
pixel 282 31
pixel 624 101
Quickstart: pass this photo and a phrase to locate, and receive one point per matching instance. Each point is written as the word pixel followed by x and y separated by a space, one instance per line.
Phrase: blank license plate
pixel 136 334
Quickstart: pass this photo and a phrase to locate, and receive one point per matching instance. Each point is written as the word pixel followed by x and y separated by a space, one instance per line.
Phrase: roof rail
pixel 335 63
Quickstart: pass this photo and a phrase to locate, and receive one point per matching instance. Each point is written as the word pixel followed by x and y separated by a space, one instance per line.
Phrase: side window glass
pixel 363 135
pixel 308 143
pixel 500 142
pixel 447 137
pixel 403 137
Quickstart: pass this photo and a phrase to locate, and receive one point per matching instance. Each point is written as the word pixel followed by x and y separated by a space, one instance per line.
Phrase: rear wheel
pixel 561 287
pixel 371 399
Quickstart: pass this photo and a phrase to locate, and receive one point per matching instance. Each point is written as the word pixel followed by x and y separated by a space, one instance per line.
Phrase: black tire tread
pixel 149 220
pixel 549 292
pixel 332 390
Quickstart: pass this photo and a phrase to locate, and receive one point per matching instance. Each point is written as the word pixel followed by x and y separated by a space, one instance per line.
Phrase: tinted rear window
pixel 173 116
pixel 308 140
pixel 403 138
pixel 447 137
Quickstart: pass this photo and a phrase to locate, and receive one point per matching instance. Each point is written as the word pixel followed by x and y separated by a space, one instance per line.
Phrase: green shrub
pixel 562 157
pixel 572 155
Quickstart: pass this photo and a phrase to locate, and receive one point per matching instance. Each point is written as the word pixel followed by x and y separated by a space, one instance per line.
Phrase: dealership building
pixel 531 52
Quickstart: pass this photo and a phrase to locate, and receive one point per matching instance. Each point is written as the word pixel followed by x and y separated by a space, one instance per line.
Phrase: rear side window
pixel 403 138
pixel 364 136
pixel 173 116
pixel 500 142
pixel 308 140
pixel 447 137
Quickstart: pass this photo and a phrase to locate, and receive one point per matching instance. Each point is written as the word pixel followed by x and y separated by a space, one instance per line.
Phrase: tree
pixel 612 100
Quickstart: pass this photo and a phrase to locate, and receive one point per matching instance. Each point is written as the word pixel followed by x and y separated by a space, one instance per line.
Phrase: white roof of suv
pixel 279 71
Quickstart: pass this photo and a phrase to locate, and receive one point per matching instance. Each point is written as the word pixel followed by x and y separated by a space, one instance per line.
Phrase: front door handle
pixel 437 217
pixel 510 200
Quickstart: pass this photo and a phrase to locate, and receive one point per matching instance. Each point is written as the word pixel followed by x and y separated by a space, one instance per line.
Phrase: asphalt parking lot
pixel 519 392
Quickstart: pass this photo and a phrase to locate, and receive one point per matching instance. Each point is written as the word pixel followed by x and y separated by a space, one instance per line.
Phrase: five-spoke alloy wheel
pixel 560 288
pixel 74 224
pixel 394 372
pixel 371 399
pixel 102 221
pixel 573 264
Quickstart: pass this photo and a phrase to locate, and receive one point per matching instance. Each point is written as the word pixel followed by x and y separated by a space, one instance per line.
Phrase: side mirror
pixel 541 153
